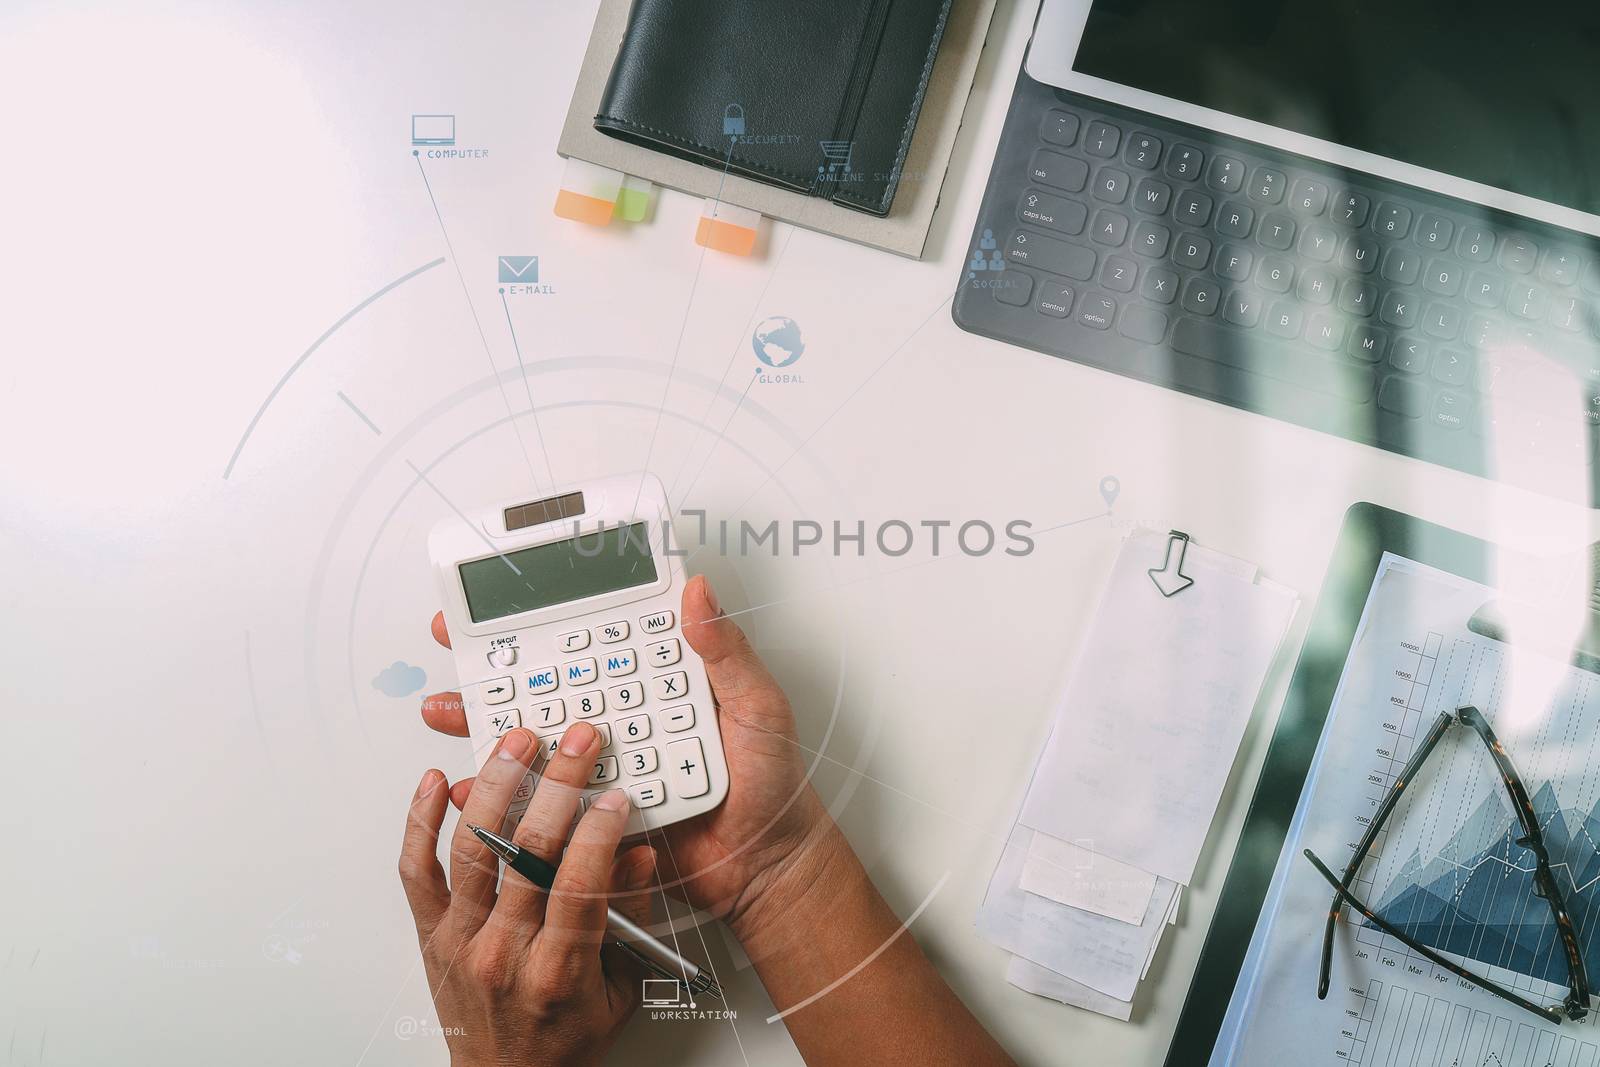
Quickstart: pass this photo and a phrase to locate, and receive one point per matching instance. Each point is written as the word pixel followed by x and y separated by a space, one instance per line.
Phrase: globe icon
pixel 777 341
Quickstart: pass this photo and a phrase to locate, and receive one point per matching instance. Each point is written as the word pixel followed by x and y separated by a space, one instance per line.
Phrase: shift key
pixel 1052 212
pixel 1049 254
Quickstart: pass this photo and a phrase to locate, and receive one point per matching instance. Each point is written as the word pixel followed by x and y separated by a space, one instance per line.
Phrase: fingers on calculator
pixel 445 713
pixel 474 870
pixel 543 829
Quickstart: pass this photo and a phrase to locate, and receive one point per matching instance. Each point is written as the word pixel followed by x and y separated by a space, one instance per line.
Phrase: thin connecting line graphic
pixel 733 357
pixel 528 386
pixel 482 337
pixel 362 415
pixel 773 473
pixel 470 524
pixel 683 326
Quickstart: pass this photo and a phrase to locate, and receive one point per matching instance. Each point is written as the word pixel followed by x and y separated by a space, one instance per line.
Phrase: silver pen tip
pixel 704 983
pixel 497 844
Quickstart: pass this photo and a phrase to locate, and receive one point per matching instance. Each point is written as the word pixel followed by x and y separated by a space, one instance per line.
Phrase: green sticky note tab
pixel 633 199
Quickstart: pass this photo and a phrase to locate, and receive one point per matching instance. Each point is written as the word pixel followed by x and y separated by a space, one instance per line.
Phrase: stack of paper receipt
pixel 1124 793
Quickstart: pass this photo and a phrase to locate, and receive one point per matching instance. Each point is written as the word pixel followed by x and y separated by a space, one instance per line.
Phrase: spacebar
pixel 1253 352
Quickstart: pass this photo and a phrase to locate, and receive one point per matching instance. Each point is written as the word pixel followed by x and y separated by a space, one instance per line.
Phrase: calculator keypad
pixel 627 716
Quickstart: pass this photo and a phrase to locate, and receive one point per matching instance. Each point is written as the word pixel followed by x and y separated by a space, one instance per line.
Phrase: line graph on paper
pixel 1448 870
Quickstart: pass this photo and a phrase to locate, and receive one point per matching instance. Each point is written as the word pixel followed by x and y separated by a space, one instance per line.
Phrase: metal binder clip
pixel 1169 577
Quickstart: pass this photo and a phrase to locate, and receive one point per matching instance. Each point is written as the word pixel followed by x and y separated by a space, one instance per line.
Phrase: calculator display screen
pixel 617 557
pixel 1499 94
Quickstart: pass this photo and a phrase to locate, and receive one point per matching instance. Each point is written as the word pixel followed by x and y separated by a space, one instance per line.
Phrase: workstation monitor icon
pixel 662 992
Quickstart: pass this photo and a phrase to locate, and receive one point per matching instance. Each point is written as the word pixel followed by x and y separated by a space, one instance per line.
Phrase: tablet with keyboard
pixel 565 610
pixel 1182 240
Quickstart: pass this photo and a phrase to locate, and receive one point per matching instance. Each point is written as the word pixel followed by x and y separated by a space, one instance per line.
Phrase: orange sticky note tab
pixel 726 228
pixel 588 193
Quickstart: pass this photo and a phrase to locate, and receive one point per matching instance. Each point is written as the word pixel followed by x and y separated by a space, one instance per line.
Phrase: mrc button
pixel 540 681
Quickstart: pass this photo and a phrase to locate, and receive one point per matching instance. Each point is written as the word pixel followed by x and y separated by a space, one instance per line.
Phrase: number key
pixel 1101 139
pixel 1392 220
pixel 1475 245
pixel 627 696
pixel 639 760
pixel 589 705
pixel 548 714
pixel 1435 231
pixel 1351 208
pixel 1184 162
pixel 605 770
pixel 634 728
pixel 1226 175
pixel 1143 151
pixel 1267 186
pixel 1310 196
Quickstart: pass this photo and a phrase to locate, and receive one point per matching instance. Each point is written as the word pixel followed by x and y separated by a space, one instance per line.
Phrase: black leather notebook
pixel 817 96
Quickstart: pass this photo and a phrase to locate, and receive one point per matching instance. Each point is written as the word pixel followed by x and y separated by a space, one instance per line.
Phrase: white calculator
pixel 564 610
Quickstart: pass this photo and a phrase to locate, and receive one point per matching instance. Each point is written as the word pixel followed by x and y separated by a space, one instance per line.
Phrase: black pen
pixel 627 934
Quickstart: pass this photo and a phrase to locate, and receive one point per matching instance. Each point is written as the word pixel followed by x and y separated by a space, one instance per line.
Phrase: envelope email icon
pixel 523 270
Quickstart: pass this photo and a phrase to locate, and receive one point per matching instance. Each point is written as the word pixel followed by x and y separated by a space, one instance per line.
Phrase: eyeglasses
pixel 1576 1005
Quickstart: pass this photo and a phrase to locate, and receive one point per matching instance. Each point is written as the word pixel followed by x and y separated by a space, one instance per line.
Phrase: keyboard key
pixel 604 730
pixel 1200 297
pixel 503 690
pixel 1267 185
pixel 639 760
pixel 1143 151
pixel 1143 324
pixel 1518 253
pixel 1475 245
pixel 1367 342
pixel 1101 139
pixel 677 719
pixel 1316 286
pixel 1285 319
pixel 1452 368
pixel 1098 311
pixel 1052 212
pixel 1358 298
pixel 1235 219
pixel 1351 209
pixel 664 653
pixel 1234 263
pixel 1392 220
pixel 648 794
pixel 1527 301
pixel 1184 162
pixel 657 622
pixel 622 662
pixel 1243 308
pixel 1244 351
pixel 1482 332
pixel 633 728
pixel 1110 227
pixel 1560 267
pixel 1151 239
pixel 686 768
pixel 1015 288
pixel 1226 175
pixel 1409 355
pixel 1399 309
pixel 1359 254
pixel 1401 265
pixel 1058 171
pixel 1277 232
pixel 1325 331
pixel 612 632
pixel 589 705
pixel 1309 197
pixel 605 770
pixel 579 671
pixel 624 697
pixel 1450 410
pixel 1442 277
pixel 1111 185
pixel 1591 277
pixel 1568 313
pixel 1442 321
pixel 1152 197
pixel 547 713
pixel 503 722
pixel 1193 208
pixel 1160 285
pixel 674 686
pixel 1192 251
pixel 1485 289
pixel 1403 396
pixel 1434 230
pixel 576 641
pixel 1276 274
pixel 1050 254
pixel 1055 300
pixel 1318 243
pixel 1059 128
pixel 1118 274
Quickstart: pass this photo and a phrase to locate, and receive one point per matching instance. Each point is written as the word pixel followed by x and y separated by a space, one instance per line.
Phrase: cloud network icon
pixel 400 679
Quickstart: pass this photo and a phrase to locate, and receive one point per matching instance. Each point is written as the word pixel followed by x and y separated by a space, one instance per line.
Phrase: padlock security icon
pixel 733 121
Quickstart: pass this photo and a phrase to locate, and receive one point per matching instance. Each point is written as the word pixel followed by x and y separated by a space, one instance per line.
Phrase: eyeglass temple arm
pixel 1344 895
pixel 1374 827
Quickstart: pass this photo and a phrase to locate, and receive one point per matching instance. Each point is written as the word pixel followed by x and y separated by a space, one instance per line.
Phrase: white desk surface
pixel 194 194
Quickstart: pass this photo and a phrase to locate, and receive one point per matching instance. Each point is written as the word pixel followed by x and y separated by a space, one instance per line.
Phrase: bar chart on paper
pixel 1390 1026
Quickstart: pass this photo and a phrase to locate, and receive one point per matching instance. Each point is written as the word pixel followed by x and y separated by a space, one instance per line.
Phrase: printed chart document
pixel 1447 870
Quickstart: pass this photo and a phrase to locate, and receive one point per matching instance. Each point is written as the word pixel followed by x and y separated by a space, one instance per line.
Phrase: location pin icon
pixel 1109 488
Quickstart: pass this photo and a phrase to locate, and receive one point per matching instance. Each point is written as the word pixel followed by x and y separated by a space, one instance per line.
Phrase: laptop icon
pixel 433 129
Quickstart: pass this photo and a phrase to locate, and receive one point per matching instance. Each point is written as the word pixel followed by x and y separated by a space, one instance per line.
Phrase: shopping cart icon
pixel 836 159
